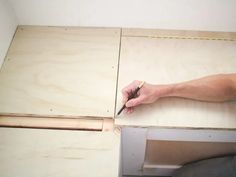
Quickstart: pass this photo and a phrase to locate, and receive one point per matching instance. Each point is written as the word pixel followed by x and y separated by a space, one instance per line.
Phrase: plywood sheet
pixel 164 61
pixel 58 153
pixel 181 152
pixel 61 71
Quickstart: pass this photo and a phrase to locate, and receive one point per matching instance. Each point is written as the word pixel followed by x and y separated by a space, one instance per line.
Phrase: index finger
pixel 126 91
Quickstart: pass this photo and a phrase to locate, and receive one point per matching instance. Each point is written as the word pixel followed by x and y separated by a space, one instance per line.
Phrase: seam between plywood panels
pixel 118 66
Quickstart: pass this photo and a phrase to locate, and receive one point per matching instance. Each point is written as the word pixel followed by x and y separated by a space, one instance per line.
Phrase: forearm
pixel 215 88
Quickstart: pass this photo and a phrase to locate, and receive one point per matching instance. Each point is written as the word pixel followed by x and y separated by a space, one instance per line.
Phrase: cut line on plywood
pixel 179 37
pixel 179 34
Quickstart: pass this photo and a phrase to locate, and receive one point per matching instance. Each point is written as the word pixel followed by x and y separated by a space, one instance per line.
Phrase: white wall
pixel 214 15
pixel 8 26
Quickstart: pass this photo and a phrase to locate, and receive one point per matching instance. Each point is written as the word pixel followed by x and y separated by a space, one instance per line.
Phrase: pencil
pixel 132 95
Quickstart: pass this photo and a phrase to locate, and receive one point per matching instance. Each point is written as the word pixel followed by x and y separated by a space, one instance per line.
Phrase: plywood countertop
pixel 71 72
pixel 58 153
pixel 162 57
pixel 61 71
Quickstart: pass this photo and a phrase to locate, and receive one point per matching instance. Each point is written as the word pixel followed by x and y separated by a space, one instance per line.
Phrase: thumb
pixel 134 102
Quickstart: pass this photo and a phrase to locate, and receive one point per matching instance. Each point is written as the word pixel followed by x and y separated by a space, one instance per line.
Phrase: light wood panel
pixel 60 71
pixel 58 153
pixel 164 61
pixel 51 123
pixel 180 152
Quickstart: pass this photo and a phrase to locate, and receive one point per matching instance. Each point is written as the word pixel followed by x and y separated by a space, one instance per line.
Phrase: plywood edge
pixel 53 116
pixel 90 124
pixel 46 27
pixel 123 124
pixel 179 34
pixel 160 170
pixel 108 125
pixel 147 165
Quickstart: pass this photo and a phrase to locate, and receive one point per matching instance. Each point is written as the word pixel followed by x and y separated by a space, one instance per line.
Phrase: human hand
pixel 147 94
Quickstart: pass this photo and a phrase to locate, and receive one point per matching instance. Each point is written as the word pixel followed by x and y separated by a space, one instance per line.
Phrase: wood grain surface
pixel 164 61
pixel 58 153
pixel 64 71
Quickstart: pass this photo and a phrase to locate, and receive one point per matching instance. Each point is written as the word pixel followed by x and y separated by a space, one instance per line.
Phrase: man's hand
pixel 215 88
pixel 147 94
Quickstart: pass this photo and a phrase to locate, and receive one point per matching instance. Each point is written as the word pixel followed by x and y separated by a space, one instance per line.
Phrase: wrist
pixel 165 90
pixel 176 90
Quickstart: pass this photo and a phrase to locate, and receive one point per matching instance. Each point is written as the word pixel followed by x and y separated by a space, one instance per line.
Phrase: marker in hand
pixel 132 95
